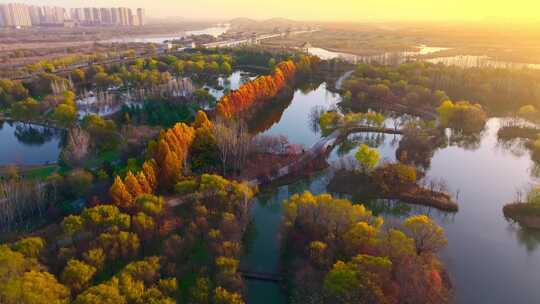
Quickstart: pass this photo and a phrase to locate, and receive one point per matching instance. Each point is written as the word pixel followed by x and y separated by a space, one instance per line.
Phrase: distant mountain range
pixel 268 24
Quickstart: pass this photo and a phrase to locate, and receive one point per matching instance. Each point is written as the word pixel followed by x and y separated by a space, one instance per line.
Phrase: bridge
pixel 322 148
pixel 261 276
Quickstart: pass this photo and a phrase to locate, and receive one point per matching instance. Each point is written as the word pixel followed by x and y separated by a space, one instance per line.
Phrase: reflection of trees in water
pixel 315 118
pixel 307 87
pixel 374 140
pixel 529 238
pixel 534 170
pixel 385 206
pixel 1 125
pixel 416 150
pixel 34 135
pixel 467 141
pixel 516 146
pixel 269 113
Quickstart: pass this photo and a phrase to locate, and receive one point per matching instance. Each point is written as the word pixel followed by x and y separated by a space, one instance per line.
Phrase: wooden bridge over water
pixel 322 148
pixel 261 276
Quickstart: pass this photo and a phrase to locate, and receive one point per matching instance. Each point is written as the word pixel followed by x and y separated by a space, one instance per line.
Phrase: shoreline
pixel 526 215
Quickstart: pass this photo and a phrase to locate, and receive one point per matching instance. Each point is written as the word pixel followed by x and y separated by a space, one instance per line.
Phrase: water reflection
pixel 396 58
pixel 29 144
pixel 214 31
pixel 528 238
pixel 222 85
pixel 487 261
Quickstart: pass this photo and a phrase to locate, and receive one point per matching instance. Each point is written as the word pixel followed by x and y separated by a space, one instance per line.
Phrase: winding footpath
pixel 322 148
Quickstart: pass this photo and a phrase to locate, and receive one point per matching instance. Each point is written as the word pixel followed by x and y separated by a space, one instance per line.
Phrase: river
pixel 28 144
pixel 214 31
pixel 489 259
pixel 394 58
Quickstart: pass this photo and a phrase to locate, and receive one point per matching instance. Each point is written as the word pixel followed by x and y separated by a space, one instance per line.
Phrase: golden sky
pixel 327 10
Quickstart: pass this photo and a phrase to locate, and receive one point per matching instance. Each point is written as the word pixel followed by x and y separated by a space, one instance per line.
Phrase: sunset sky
pixel 329 10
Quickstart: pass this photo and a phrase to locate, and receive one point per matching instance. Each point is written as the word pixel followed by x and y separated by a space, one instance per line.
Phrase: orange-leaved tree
pixel 259 89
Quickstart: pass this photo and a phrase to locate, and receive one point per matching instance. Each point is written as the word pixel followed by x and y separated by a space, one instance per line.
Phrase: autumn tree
pixel 149 170
pixel 30 247
pixel 223 296
pixel 120 195
pixel 77 275
pixel 367 157
pixel 107 293
pixel 132 185
pixel 33 287
pixel 260 89
pixel 428 236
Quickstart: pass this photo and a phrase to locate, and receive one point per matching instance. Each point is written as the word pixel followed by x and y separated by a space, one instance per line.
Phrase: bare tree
pixel 19 199
pixel 234 143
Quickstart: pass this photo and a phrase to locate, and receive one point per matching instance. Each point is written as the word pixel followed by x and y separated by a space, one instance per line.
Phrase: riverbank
pixel 525 214
pixel 38 122
pixel 364 187
pixel 511 132
pixel 29 171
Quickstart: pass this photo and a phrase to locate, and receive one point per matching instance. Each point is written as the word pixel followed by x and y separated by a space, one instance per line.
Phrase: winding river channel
pixel 489 259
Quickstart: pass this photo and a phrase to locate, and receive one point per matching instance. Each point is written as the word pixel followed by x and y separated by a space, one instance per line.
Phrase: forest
pixel 154 204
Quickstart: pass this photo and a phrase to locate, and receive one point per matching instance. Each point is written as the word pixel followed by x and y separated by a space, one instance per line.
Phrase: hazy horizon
pixel 320 10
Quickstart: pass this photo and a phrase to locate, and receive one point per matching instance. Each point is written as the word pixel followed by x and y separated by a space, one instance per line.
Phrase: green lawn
pixel 41 172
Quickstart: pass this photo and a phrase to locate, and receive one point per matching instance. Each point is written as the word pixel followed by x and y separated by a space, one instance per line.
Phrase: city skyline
pixel 16 14
pixel 323 10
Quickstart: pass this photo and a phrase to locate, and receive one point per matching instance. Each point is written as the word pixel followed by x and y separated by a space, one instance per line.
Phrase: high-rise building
pixel 22 15
pixel 97 16
pixel 124 16
pixel 140 16
pixel 15 15
pixel 77 14
pixel 3 15
pixel 106 16
pixel 36 15
pixel 115 16
pixel 88 15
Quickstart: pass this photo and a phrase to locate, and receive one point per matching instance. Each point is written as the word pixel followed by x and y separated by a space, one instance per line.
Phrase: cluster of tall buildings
pixel 23 15
pixel 121 16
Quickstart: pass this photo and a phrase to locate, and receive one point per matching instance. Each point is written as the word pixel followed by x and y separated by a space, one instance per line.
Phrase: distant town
pixel 17 15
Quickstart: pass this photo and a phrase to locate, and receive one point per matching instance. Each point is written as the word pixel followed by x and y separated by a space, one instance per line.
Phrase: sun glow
pixel 329 10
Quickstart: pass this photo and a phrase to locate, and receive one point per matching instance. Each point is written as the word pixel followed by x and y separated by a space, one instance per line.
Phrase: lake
pixel 214 31
pixel 394 58
pixel 489 259
pixel 231 82
pixel 27 144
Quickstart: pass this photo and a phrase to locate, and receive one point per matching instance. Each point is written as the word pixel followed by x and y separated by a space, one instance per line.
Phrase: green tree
pixel 226 68
pixel 367 157
pixel 341 284
pixel 200 293
pixel 65 114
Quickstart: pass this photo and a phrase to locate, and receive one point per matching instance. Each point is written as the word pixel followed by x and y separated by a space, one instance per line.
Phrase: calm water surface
pixel 489 259
pixel 28 144
pixel 214 31
pixel 393 58
pixel 229 83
